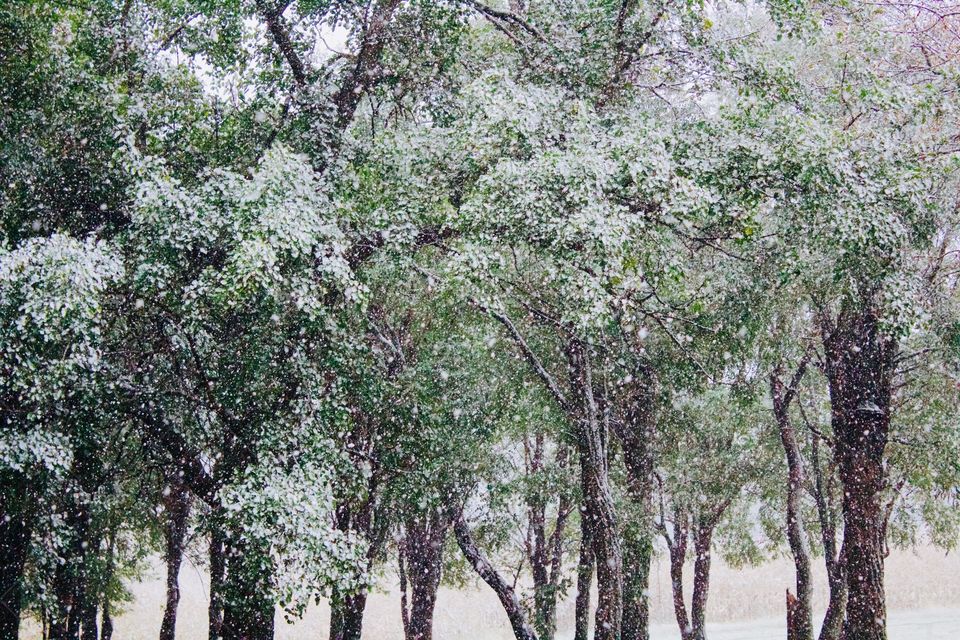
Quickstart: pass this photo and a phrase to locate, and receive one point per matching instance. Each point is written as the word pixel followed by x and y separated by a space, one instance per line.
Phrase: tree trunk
pixel 702 543
pixel 14 547
pixel 637 552
pixel 248 611
pixel 677 548
pixel 599 511
pixel 106 621
pixel 423 552
pixel 508 598
pixel 836 577
pixel 636 434
pixel 346 616
pixel 545 553
pixel 584 580
pixel 860 363
pixel 177 505
pixel 218 567
pixel 800 618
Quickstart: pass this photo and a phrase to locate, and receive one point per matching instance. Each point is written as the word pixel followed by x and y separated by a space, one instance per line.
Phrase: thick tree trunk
pixel 599 511
pixel 346 616
pixel 800 618
pixel 71 582
pixel 584 580
pixel 248 611
pixel 63 591
pixel 508 598
pixel 423 553
pixel 88 619
pixel 636 434
pixel 860 363
pixel 177 505
pixel 637 552
pixel 14 546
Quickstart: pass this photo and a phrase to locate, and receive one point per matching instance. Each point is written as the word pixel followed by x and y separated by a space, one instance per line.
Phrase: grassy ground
pixel 923 589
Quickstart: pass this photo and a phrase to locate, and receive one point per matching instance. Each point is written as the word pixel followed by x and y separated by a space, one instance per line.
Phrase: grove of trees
pixel 333 293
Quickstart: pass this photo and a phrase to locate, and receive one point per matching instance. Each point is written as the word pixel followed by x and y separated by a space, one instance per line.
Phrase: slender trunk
pixel 545 553
pixel 508 598
pixel 536 542
pixel 702 543
pixel 860 363
pixel 14 546
pixel 598 499
pixel 836 577
pixel 177 505
pixel 677 548
pixel 584 580
pixel 218 567
pixel 423 551
pixel 800 618
pixel 106 621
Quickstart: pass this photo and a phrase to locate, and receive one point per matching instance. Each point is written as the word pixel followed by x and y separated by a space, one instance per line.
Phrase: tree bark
pixel 248 611
pixel 423 552
pixel 545 553
pixel 177 505
pixel 836 577
pixel 677 549
pixel 636 433
pixel 508 598
pixel 800 618
pixel 346 616
pixel 599 511
pixel 584 580
pixel 860 363
pixel 106 621
pixel 692 624
pixel 14 546
pixel 702 543
pixel 218 567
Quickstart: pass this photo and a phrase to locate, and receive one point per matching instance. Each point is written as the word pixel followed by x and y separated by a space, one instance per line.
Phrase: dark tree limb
pixel 508 597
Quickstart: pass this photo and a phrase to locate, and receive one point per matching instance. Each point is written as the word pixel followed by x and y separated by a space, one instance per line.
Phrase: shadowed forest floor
pixel 923 595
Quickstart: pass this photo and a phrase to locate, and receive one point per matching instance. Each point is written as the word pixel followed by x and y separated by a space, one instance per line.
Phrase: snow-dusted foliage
pixel 313 289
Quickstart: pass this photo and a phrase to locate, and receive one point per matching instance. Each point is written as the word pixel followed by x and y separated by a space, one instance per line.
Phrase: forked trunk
pixel 599 509
pixel 346 616
pixel 421 564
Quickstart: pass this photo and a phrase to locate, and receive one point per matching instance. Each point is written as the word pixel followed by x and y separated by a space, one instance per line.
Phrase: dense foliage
pixel 328 291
